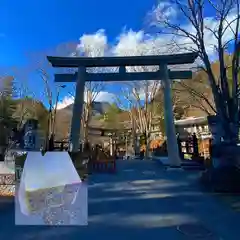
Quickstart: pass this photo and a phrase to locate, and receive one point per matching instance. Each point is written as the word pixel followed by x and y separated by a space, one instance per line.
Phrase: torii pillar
pixel 172 145
pixel 163 74
pixel 77 110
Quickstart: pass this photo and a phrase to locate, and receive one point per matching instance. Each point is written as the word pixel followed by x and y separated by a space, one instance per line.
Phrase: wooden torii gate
pixel 164 74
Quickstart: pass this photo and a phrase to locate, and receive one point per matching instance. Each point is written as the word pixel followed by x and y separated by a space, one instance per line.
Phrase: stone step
pixel 193 168
pixel 190 163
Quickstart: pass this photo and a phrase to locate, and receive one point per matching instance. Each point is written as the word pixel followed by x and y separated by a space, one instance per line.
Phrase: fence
pixel 190 147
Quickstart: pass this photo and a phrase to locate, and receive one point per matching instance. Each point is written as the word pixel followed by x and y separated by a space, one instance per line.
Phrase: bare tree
pixel 26 106
pixel 140 95
pixel 209 36
pixel 92 90
pixel 53 105
pixel 130 121
pixel 48 92
pixel 90 46
pixel 146 107
pixel 180 102
pixel 194 94
pixel 51 90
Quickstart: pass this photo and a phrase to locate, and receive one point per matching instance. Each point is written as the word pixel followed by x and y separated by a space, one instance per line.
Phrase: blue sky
pixel 38 26
pixel 29 26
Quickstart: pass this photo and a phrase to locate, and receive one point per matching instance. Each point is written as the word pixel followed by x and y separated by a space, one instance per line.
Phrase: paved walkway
pixel 141 201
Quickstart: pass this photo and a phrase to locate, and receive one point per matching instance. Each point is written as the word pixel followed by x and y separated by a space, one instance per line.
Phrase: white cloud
pixel 93 45
pixel 65 102
pixel 101 97
pixel 130 43
pixel 105 97
pixel 164 10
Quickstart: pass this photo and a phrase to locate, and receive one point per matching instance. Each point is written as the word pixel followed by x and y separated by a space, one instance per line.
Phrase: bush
pixel 161 150
pixel 222 180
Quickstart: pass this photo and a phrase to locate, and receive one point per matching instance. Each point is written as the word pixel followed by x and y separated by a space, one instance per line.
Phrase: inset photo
pixel 50 191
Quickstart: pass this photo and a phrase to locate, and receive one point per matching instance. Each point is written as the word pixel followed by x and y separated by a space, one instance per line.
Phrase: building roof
pixel 191 121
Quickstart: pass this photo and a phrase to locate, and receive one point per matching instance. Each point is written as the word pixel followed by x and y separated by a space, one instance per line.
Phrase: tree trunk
pixel 85 132
pixel 86 118
pixel 134 137
pixel 148 141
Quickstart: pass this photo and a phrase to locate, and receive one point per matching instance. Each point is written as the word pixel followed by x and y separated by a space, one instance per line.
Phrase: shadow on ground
pixel 140 201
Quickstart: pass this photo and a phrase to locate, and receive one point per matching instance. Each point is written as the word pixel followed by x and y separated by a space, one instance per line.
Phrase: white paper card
pixel 48 184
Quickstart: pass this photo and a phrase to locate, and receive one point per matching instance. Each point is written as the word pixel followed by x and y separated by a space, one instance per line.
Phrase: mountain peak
pixel 98 108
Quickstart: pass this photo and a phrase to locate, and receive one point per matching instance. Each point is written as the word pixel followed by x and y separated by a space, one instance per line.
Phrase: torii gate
pixel 163 74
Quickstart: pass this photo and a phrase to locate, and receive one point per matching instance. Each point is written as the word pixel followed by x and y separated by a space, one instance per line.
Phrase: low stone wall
pixel 7 184
pixel 8 180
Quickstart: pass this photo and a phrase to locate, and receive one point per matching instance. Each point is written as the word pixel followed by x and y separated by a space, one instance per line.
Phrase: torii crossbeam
pixel 163 74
